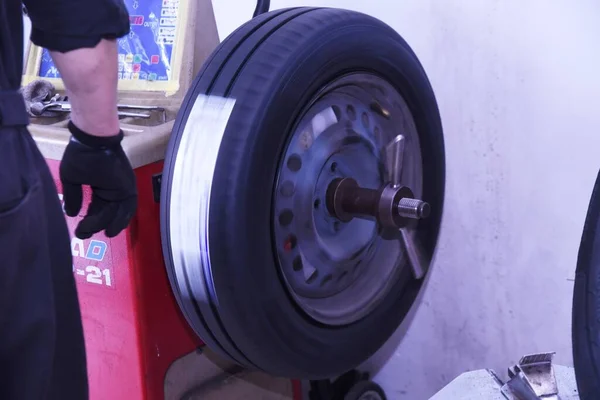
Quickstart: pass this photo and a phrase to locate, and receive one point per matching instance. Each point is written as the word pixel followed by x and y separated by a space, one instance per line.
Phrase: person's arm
pixel 81 37
pixel 90 76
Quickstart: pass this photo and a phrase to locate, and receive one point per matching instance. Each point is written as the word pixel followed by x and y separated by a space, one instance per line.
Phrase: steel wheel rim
pixel 339 272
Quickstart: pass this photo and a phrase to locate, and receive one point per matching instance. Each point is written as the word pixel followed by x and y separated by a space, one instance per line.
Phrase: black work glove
pixel 101 163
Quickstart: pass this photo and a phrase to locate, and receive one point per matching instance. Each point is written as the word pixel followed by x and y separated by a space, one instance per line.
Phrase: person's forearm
pixel 90 77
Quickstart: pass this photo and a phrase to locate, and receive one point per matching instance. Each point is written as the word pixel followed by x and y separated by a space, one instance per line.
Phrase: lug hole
pixel 317 203
pixel 290 243
pixel 286 217
pixel 294 163
pixel 297 264
pixel 287 189
pixel 333 167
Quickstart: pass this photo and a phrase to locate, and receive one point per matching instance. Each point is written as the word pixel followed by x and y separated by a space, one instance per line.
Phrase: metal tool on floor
pixel 534 377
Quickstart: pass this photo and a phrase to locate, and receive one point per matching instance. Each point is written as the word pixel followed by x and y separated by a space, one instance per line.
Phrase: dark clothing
pixel 42 353
pixel 58 25
pixel 63 25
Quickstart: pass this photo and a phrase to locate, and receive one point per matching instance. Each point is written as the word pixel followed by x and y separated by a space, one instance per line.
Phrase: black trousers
pixel 42 354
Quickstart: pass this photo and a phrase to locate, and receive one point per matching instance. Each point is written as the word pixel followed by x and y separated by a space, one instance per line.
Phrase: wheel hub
pixel 339 190
pixel 331 249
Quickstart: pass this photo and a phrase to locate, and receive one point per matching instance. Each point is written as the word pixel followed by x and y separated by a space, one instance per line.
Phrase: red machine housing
pixel 133 327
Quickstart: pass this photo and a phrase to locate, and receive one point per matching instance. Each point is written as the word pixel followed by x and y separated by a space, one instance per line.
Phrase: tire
pixel 272 66
pixel 586 304
pixel 365 390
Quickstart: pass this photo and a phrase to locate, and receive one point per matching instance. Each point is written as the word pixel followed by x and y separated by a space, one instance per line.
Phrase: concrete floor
pixel 519 91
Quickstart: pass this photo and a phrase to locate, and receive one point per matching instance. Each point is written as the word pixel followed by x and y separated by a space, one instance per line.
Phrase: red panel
pixel 297 390
pixel 133 327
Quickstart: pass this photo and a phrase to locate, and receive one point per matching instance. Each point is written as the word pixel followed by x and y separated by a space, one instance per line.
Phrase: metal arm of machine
pixel 262 6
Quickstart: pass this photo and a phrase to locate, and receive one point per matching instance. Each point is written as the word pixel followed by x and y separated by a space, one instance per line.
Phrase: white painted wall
pixel 519 91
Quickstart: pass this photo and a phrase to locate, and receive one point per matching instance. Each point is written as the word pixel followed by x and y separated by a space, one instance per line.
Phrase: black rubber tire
pixel 272 66
pixel 199 314
pixel 363 387
pixel 586 304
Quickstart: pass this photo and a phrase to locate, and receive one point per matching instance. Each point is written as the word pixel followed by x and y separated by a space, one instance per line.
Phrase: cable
pixel 262 6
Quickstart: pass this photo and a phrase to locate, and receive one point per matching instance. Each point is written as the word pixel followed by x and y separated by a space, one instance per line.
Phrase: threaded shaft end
pixel 413 208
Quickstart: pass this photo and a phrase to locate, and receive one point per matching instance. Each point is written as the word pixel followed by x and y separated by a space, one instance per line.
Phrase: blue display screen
pixel 145 53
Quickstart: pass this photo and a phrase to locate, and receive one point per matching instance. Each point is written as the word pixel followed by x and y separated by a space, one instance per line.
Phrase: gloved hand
pixel 101 163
